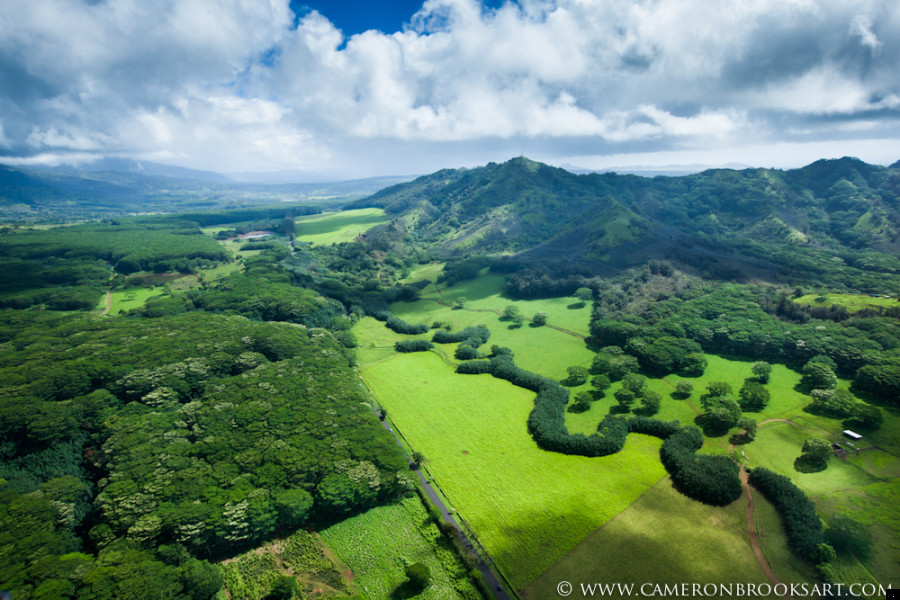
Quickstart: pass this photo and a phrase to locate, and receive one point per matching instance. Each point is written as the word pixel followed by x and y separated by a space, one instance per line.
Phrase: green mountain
pixel 753 223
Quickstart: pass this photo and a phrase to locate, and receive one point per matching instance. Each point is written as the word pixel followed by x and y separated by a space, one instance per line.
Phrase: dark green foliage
pixel 848 536
pixel 418 575
pixel 539 319
pixel 283 588
pixel 881 380
pixel 722 413
pixel 265 293
pixel 130 247
pixel 753 396
pixel 666 354
pixel 577 376
pixel 798 513
pixel 833 403
pixel 865 416
pixel 414 346
pixel 683 389
pixel 613 362
pixel 465 352
pixel 715 389
pixel 581 403
pixel 625 398
pixel 398 325
pixel 472 336
pixel 749 426
pixel 293 508
pixel 818 375
pixel 650 403
pixel 231 379
pixel 816 453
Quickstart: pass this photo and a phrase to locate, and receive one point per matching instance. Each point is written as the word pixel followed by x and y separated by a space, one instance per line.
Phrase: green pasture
pixel 663 537
pixel 485 294
pixel 379 544
pixel 127 299
pixel 528 507
pixel 333 228
pixel 543 350
pixel 852 302
pixel 430 271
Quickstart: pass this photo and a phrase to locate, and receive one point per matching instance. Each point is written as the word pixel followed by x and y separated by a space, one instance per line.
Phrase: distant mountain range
pixel 112 187
pixel 829 216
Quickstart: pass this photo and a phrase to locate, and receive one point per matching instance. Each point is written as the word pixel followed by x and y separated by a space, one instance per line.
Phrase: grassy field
pixel 485 294
pixel 852 302
pixel 470 433
pixel 529 507
pixel 125 300
pixel 544 350
pixel 663 537
pixel 344 226
pixel 378 546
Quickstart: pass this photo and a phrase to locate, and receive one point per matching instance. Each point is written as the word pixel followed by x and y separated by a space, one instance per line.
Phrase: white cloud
pixel 861 26
pixel 186 80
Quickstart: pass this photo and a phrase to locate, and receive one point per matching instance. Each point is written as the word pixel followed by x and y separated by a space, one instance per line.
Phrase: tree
pixel 460 302
pixel 283 588
pixel 714 390
pixel 293 508
pixel 683 389
pixel 625 398
pixel 694 365
pixel 753 396
pixel 818 376
pixel 634 382
pixel 650 403
pixel 577 376
pixel 749 426
pixel 600 383
pixel 816 453
pixel 722 414
pixel 418 576
pixel 581 403
pixel 539 319
pixel 584 294
pixel 418 458
pixel 510 312
pixel 762 370
pixel 865 416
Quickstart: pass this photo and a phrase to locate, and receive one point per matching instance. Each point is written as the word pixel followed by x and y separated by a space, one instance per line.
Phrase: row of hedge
pixel 709 479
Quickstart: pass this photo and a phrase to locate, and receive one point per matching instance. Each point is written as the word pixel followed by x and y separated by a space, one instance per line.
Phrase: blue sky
pixel 324 90
pixel 357 16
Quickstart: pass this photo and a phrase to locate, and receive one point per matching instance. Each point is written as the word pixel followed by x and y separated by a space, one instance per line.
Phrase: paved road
pixel 489 577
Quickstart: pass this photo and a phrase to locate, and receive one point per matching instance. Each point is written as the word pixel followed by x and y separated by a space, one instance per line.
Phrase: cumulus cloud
pixel 238 85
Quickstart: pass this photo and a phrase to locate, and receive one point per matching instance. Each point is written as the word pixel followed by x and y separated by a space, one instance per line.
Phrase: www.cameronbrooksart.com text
pixel 719 590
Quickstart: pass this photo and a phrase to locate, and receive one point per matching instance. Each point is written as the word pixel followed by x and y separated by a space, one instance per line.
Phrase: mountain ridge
pixel 746 220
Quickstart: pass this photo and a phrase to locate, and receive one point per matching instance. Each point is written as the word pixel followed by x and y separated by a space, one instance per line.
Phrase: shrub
pixel 413 346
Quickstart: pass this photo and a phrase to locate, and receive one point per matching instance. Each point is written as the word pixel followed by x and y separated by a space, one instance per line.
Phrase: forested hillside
pixel 836 221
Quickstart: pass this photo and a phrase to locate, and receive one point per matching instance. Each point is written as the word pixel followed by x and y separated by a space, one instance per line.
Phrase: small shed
pixel 852 434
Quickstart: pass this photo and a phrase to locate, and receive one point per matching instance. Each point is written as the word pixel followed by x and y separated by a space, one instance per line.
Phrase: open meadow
pixel 527 506
pixel 472 430
pixel 336 227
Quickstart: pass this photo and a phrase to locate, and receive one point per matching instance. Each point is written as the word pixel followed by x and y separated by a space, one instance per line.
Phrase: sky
pixel 348 89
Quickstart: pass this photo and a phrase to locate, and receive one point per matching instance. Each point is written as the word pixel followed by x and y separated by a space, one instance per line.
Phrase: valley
pixel 207 406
